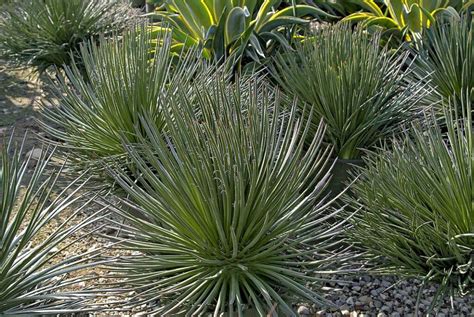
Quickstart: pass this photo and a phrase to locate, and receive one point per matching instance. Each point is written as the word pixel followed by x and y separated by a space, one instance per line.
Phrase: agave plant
pixel 352 83
pixel 446 59
pixel 243 29
pixel 410 17
pixel 226 219
pixel 417 205
pixel 48 33
pixel 33 270
pixel 123 81
pixel 339 7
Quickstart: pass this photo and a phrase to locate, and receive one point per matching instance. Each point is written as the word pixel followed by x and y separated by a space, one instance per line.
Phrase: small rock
pixel 386 308
pixel 381 315
pixel 375 292
pixel 365 299
pixel 350 301
pixel 377 303
pixel 303 311
pixel 35 154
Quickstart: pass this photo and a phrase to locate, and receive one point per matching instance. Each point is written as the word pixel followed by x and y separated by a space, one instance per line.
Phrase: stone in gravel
pixel 365 299
pixel 350 301
pixel 366 278
pixel 375 292
pixel 377 303
pixel 53 250
pixel 381 315
pixel 386 308
pixel 303 311
pixel 386 284
pixel 395 314
pixel 356 288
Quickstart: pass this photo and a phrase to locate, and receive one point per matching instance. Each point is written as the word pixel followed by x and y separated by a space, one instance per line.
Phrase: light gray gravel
pixel 385 296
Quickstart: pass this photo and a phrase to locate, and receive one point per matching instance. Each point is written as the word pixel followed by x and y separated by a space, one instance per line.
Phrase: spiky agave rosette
pixel 222 215
pixel 34 275
pixel 417 204
pixel 48 33
pixel 93 115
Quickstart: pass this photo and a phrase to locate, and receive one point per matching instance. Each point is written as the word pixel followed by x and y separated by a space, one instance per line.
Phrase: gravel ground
pixel 385 296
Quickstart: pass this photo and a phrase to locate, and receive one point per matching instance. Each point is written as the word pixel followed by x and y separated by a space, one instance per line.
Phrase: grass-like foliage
pixel 355 85
pixel 446 58
pixel 49 32
pixel 417 205
pixel 123 81
pixel 32 268
pixel 230 216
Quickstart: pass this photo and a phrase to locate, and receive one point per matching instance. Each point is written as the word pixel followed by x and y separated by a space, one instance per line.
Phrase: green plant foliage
pixel 32 271
pixel 340 8
pixel 227 219
pixel 123 82
pixel 48 33
pixel 446 59
pixel 243 29
pixel 409 17
pixel 357 87
pixel 417 205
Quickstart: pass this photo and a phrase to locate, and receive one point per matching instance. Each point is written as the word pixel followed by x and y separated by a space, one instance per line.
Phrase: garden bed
pixel 359 296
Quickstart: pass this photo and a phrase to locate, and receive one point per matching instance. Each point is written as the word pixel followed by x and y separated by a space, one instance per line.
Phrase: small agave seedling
pixel 32 273
pixel 227 214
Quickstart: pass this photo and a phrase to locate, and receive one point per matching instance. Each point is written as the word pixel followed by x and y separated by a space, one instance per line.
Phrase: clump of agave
pixel 99 109
pixel 227 213
pixel 446 59
pixel 357 86
pixel 49 32
pixel 416 204
pixel 33 272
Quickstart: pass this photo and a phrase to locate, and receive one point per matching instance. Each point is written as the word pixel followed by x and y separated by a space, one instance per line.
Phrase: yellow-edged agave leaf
pixel 409 16
pixel 239 30
pixel 300 11
pixel 413 18
pixel 236 24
